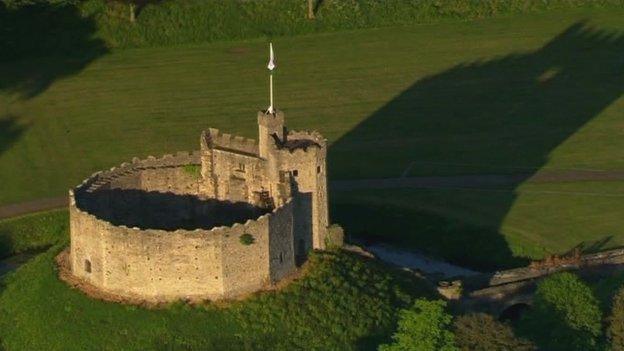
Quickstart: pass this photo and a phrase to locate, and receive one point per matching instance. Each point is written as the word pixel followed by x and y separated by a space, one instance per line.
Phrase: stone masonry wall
pixel 310 166
pixel 161 265
pixel 154 264
pixel 247 268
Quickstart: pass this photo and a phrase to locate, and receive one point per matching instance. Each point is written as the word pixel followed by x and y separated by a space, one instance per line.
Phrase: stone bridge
pixel 506 293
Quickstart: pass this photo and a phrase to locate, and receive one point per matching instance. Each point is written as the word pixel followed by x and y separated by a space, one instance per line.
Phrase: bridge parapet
pixel 494 293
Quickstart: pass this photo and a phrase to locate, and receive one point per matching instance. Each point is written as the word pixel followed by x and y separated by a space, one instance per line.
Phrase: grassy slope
pixel 142 101
pixel 32 232
pixel 476 226
pixel 344 303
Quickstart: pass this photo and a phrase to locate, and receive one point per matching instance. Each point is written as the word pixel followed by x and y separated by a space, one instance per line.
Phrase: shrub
pixel 423 327
pixel 181 22
pixel 247 239
pixel 615 330
pixel 193 170
pixel 335 236
pixel 481 332
pixel 565 315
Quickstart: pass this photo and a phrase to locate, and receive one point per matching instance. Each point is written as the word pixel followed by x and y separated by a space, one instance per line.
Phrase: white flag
pixel 271 64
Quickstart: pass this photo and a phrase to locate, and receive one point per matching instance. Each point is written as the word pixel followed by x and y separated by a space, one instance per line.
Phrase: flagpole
pixel 271 91
pixel 271 66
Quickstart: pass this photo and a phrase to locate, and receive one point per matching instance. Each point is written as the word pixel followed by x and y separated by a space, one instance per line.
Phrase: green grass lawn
pixel 489 228
pixel 502 95
pixel 396 95
pixel 345 302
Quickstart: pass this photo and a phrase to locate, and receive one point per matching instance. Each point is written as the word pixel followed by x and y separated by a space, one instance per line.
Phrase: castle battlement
pixel 214 138
pixel 81 189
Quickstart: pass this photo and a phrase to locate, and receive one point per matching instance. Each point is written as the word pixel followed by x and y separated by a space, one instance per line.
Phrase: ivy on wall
pixel 247 239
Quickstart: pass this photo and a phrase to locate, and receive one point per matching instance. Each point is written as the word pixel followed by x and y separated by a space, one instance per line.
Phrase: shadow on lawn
pixel 513 110
pixel 10 131
pixel 41 43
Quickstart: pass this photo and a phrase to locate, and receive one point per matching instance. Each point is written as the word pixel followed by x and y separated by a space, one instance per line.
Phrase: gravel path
pixel 417 261
pixel 23 208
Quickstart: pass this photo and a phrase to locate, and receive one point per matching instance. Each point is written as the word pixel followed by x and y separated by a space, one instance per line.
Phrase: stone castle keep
pixel 226 220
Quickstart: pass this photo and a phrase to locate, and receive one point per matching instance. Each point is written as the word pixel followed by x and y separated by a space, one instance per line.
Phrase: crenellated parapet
pixel 101 179
pixel 213 138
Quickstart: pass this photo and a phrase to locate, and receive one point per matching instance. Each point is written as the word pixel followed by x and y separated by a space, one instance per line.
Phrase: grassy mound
pixel 32 232
pixel 344 302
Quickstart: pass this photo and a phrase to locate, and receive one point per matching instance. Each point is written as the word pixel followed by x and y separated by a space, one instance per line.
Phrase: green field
pixel 503 95
pixel 454 98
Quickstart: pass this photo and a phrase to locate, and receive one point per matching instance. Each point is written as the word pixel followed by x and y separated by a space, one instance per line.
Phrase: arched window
pixel 87 266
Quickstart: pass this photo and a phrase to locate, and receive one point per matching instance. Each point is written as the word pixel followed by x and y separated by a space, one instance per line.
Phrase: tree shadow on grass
pixel 505 112
pixel 10 131
pixel 41 43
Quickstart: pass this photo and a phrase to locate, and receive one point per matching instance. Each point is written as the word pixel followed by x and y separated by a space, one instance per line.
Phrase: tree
pixel 565 315
pixel 481 332
pixel 615 331
pixel 13 4
pixel 132 8
pixel 423 327
pixel 310 9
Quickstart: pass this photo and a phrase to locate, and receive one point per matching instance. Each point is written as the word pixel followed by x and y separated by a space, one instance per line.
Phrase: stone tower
pixel 302 157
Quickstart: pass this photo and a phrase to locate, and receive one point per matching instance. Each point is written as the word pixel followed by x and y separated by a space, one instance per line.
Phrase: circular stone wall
pixel 141 231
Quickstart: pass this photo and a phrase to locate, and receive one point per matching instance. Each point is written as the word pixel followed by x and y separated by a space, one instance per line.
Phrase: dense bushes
pixel 615 331
pixel 192 21
pixel 423 327
pixel 481 332
pixel 175 22
pixel 565 315
pixel 42 29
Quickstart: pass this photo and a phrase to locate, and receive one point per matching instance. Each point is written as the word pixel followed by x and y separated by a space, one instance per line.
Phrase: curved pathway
pixel 22 208
pixel 478 181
